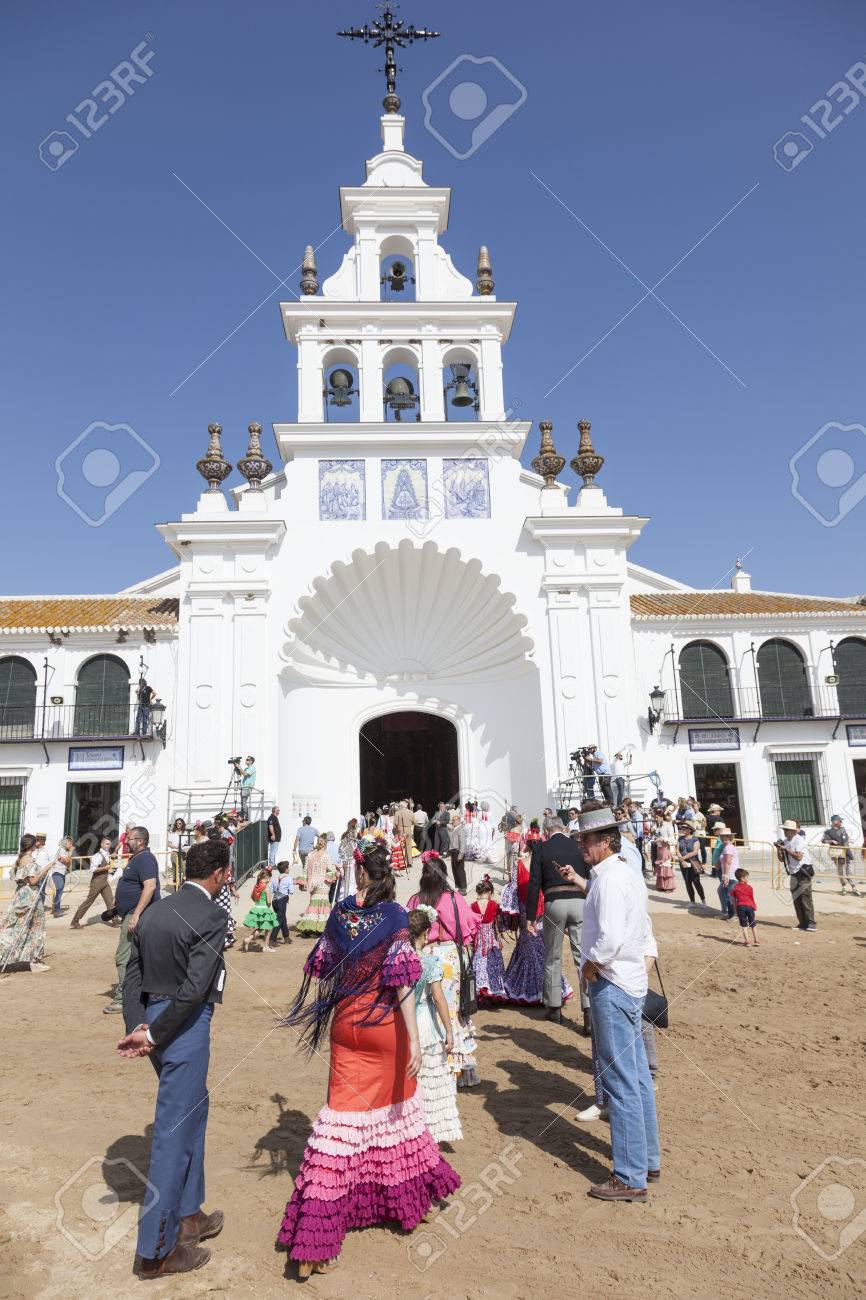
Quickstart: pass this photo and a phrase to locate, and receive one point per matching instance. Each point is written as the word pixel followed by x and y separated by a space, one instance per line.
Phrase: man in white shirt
pixel 797 861
pixel 616 942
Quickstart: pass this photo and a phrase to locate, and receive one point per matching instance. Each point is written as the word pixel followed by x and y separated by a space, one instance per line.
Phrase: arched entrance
pixel 408 754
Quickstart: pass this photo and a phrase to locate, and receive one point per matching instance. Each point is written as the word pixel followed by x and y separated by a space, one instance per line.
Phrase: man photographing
pixel 247 775
pixel 174 977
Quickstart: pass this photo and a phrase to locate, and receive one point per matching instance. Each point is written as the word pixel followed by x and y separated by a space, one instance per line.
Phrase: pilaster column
pixel 430 378
pixel 492 394
pixel 370 379
pixel 369 289
pixel 310 381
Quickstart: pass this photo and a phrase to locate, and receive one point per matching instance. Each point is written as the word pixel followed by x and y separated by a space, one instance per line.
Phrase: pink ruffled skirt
pixel 361 1168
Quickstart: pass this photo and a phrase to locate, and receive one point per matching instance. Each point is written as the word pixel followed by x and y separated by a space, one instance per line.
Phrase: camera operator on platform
pixel 247 775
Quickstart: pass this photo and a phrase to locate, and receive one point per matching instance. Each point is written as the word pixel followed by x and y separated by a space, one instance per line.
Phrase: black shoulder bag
pixel 655 1005
pixel 468 997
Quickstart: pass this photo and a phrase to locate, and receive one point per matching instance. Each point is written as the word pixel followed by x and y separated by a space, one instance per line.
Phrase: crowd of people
pixel 395 990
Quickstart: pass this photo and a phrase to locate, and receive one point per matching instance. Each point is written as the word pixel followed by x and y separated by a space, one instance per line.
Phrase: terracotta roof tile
pixel 737 604
pixel 53 613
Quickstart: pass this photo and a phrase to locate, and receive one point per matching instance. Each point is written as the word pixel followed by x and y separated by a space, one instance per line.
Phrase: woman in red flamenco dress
pixel 370 1158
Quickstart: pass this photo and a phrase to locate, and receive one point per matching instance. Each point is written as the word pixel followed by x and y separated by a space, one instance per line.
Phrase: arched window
pixel 402 385
pixel 341 391
pixel 460 385
pixel 705 682
pixel 850 665
pixel 17 698
pixel 783 683
pixel 397 277
pixel 102 706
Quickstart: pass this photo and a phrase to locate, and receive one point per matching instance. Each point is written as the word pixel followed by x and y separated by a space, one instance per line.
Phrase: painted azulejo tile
pixel 404 489
pixel 467 488
pixel 342 493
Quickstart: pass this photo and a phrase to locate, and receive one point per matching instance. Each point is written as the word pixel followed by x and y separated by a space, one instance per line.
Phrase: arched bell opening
pixel 461 384
pixel 341 386
pixel 401 386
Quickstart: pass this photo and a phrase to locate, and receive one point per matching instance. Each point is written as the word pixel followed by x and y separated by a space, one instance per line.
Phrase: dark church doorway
pixel 408 755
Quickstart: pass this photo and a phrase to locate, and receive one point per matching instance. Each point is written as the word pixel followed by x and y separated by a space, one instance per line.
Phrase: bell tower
pixel 423 340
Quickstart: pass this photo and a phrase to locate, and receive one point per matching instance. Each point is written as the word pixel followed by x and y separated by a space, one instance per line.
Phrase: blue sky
pixel 655 124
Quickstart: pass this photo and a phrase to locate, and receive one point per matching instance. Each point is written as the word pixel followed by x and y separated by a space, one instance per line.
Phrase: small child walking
pixel 744 900
pixel 487 950
pixel 261 919
pixel 436 1079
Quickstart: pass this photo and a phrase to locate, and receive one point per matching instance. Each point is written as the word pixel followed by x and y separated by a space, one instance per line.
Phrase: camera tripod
pixel 234 780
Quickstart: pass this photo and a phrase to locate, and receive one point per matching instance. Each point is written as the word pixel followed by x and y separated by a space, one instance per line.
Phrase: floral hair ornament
pixel 430 855
pixel 358 856
pixel 430 912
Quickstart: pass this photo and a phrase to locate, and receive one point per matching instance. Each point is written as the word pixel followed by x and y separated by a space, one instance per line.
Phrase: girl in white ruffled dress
pixel 438 1083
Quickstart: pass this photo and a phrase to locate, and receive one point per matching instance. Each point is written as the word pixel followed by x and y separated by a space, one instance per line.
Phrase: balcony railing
pixel 71 722
pixel 748 704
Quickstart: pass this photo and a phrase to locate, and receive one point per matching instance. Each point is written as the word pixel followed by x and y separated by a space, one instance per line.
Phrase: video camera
pixel 233 762
pixel 583 753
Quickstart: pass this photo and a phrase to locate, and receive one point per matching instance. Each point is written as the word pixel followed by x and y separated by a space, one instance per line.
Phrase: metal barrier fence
pixel 250 851
pixel 761 858
pixel 78 874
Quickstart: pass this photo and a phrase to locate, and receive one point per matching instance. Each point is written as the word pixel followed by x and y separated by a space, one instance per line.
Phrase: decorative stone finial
pixel 309 275
pixel 255 466
pixel 548 463
pixel 484 275
pixel 213 465
pixel 587 462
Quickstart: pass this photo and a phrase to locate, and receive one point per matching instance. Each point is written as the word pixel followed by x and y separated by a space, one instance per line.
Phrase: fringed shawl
pixel 364 952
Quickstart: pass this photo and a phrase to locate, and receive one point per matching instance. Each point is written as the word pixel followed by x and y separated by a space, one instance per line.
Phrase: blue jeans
pixel 176 1171
pixel 59 885
pixel 625 1076
pixel 725 899
pixel 142 720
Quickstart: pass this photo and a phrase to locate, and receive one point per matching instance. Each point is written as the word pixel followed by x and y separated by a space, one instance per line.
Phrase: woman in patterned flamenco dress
pixel 524 974
pixel 370 1158
pixel 320 875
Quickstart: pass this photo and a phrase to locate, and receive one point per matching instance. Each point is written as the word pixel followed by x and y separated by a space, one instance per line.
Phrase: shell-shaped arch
pixel 407 614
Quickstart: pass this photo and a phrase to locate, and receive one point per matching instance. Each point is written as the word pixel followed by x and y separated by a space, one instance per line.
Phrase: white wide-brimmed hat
pixel 598 819
pixel 790 826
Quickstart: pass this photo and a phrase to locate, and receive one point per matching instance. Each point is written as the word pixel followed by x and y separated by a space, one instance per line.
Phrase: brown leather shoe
pixel 200 1227
pixel 181 1259
pixel 614 1190
pixel 654 1175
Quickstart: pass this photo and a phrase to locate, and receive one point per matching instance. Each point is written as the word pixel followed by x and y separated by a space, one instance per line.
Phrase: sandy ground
pixel 761 1086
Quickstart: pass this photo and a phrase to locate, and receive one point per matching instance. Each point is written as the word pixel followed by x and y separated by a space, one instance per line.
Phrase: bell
pixel 462 395
pixel 340 382
pixel 399 271
pixel 399 389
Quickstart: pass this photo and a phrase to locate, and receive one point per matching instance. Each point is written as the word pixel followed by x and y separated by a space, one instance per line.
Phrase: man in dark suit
pixel 174 977
pixel 563 909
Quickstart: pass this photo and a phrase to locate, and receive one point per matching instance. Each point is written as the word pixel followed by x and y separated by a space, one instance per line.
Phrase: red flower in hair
pixel 358 856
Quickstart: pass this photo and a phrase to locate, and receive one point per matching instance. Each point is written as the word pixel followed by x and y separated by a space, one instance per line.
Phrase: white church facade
pixel 401 608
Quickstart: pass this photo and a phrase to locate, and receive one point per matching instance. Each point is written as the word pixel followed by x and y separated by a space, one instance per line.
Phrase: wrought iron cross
pixel 389 31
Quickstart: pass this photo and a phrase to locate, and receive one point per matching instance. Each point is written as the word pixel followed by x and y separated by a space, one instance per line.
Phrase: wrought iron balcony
pixel 58 722
pixel 748 704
